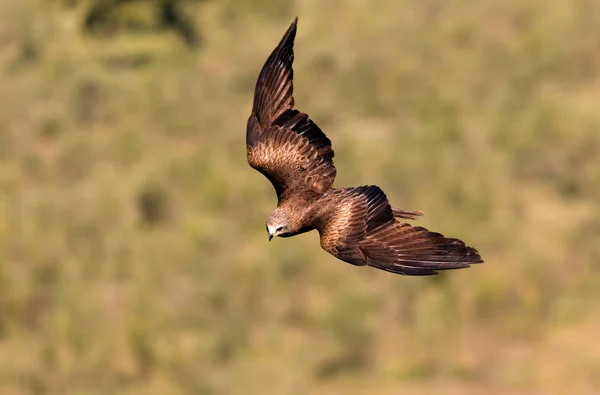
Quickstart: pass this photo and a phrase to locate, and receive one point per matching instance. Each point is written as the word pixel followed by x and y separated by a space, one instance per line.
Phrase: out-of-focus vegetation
pixel 133 255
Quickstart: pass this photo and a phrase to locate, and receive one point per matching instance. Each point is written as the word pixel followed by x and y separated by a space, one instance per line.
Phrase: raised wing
pixel 283 143
pixel 359 228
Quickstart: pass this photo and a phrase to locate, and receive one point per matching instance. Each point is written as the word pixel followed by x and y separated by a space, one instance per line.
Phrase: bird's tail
pixel 407 214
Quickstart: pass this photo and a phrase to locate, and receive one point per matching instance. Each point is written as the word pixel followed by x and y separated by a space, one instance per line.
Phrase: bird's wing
pixel 359 227
pixel 282 143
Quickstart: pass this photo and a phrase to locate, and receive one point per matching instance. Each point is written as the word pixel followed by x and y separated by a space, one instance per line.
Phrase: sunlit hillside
pixel 133 251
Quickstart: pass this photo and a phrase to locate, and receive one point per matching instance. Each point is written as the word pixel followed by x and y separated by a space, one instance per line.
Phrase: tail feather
pixel 407 214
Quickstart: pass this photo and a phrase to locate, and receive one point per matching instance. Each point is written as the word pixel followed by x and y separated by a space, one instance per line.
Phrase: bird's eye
pixel 279 228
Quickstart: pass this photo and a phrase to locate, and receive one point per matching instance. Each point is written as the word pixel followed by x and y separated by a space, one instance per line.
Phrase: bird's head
pixel 277 224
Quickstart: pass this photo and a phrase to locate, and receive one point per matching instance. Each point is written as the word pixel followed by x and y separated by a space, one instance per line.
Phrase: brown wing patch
pixel 349 214
pixel 295 157
pixel 386 243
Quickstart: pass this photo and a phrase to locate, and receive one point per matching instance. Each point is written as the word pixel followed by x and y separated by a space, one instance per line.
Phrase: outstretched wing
pixel 358 227
pixel 283 143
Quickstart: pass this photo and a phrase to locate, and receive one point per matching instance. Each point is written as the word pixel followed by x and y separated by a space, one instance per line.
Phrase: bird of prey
pixel 356 225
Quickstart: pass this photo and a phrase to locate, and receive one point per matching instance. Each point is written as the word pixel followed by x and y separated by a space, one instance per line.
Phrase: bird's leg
pixel 407 214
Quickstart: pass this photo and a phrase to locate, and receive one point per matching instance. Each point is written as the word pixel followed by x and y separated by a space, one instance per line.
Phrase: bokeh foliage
pixel 133 255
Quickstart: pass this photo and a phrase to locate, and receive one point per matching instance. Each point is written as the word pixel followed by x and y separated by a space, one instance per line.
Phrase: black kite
pixel 356 225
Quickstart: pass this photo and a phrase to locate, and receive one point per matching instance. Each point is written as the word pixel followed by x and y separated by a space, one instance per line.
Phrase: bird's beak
pixel 270 236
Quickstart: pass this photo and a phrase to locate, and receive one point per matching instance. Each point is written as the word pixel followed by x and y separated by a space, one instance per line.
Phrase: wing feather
pixel 282 143
pixel 274 88
pixel 361 229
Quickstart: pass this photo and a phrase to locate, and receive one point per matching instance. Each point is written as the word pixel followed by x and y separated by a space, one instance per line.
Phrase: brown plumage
pixel 356 225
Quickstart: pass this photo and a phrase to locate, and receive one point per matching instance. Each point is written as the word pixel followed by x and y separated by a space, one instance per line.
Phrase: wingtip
pixel 289 36
pixel 474 257
pixel 293 27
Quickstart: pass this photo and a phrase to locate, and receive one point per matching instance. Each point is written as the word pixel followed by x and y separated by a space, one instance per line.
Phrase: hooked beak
pixel 270 237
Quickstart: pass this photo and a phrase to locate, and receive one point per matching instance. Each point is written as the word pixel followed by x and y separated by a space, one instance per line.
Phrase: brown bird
pixel 356 225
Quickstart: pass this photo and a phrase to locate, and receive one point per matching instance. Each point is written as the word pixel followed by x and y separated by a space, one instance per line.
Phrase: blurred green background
pixel 133 252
